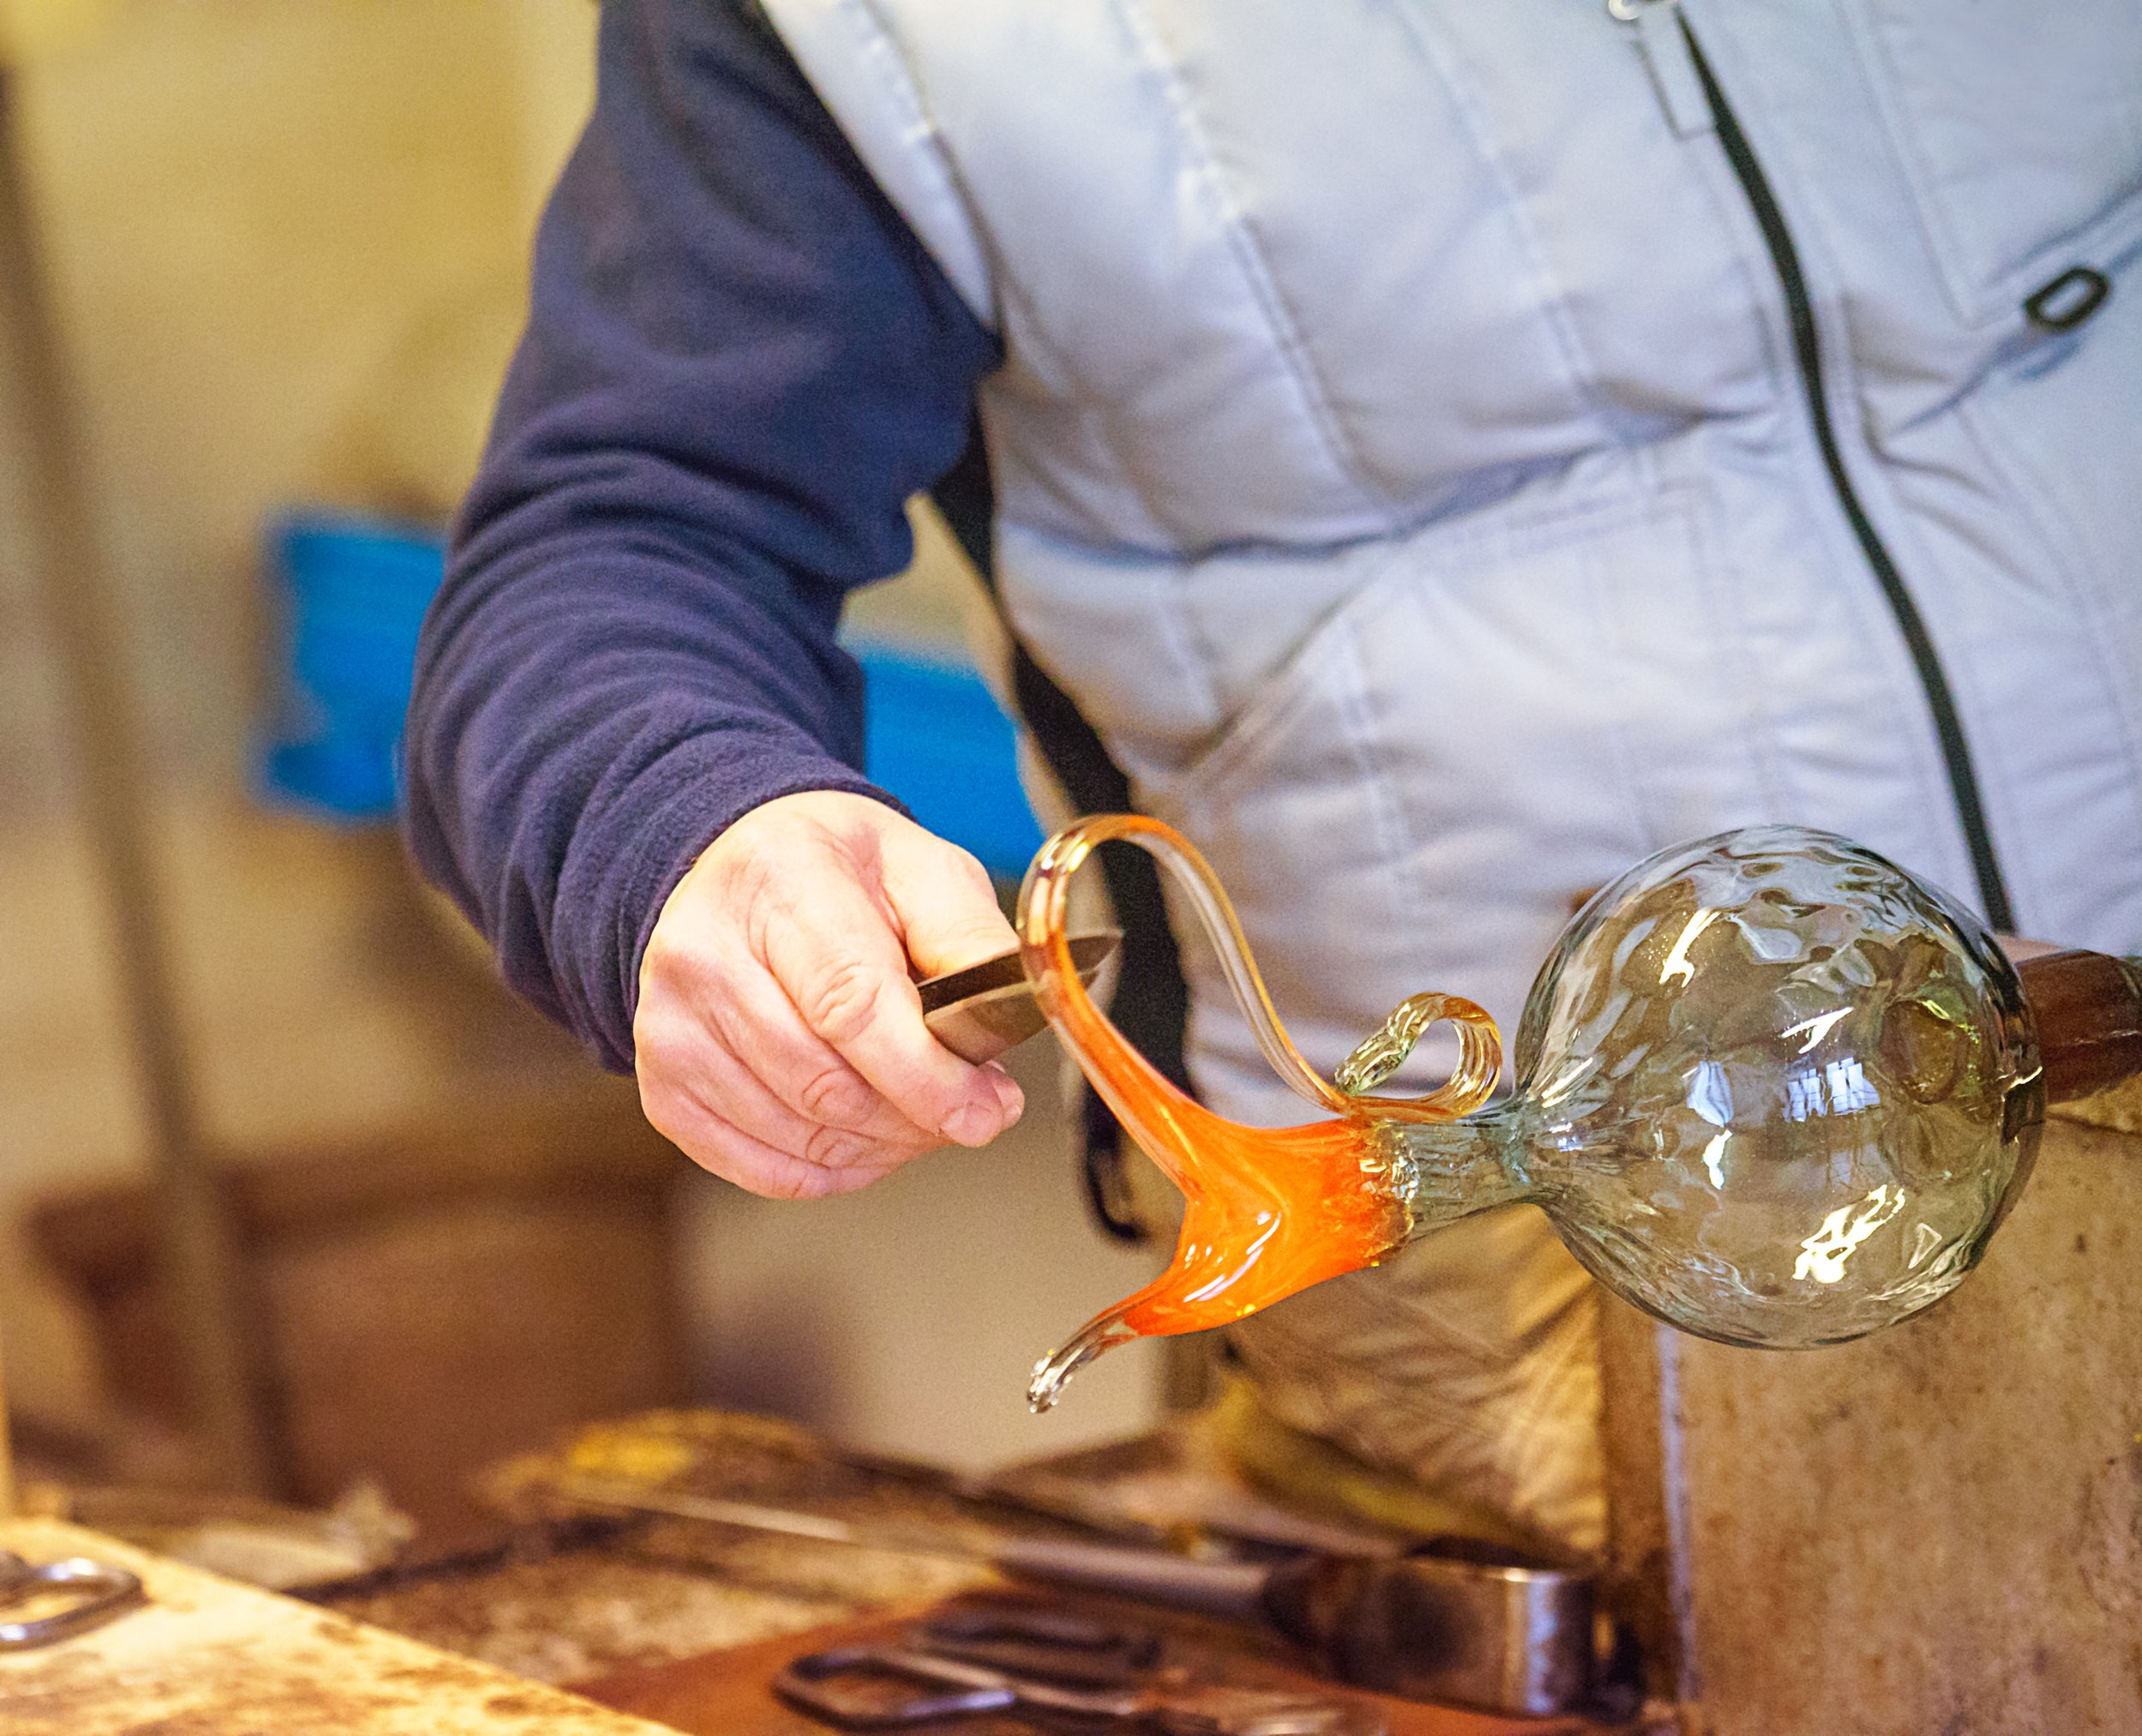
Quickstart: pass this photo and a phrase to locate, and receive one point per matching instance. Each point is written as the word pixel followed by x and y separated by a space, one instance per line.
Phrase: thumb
pixel 943 900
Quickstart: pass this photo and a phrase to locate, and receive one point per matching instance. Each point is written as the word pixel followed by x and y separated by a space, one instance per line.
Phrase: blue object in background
pixel 351 594
pixel 936 738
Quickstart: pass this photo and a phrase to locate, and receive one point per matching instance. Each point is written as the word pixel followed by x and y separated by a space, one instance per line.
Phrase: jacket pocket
pixel 2020 127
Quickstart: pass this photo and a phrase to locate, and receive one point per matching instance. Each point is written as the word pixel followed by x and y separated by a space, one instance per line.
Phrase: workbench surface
pixel 208 1657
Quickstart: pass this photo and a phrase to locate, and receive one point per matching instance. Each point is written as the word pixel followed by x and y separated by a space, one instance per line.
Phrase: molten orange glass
pixel 1267 1211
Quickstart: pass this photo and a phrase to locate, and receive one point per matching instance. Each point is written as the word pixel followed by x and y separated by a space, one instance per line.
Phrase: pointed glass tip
pixel 1051 1372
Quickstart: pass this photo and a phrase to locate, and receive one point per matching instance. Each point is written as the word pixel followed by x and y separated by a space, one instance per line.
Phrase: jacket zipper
pixel 1962 777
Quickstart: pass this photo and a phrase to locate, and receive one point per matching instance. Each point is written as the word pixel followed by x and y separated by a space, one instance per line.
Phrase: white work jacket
pixel 1448 462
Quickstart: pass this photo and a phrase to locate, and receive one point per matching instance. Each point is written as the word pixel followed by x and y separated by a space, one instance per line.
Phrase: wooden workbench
pixel 206 1657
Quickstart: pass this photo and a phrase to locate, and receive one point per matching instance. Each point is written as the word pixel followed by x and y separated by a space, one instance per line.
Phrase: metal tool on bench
pixel 1451 1623
pixel 1011 1661
pixel 90 1595
pixel 979 1012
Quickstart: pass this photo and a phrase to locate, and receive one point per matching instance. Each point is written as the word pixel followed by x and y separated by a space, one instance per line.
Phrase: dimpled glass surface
pixel 1769 1088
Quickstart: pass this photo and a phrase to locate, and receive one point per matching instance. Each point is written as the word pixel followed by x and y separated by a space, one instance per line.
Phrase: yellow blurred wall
pixel 287 242
pixel 30 27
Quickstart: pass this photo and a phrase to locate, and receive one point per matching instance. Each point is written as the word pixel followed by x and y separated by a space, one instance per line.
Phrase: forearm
pixel 739 363
pixel 589 717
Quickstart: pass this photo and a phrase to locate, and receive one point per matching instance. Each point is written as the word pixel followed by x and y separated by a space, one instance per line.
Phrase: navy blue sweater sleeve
pixel 739 364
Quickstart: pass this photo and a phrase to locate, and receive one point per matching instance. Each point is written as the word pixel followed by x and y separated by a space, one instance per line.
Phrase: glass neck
pixel 1450 1170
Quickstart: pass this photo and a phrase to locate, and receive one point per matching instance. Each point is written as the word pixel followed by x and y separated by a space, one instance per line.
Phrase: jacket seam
pixel 1815 496
pixel 1369 747
pixel 1843 386
pixel 1288 339
pixel 2024 346
pixel 1637 803
pixel 1721 581
pixel 922 137
pixel 1994 300
pixel 1944 243
pixel 1244 732
pixel 1582 375
pixel 2082 596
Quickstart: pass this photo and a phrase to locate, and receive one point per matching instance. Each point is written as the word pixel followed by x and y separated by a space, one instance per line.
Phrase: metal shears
pixel 1041 1667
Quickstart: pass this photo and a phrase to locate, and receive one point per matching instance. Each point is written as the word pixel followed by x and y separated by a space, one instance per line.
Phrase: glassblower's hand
pixel 779 1036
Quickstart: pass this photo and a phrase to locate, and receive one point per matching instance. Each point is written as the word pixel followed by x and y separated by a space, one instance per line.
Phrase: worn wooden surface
pixel 668 1589
pixel 687 1623
pixel 1935 1530
pixel 206 1657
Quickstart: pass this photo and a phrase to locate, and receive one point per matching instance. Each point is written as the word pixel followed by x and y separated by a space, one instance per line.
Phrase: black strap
pixel 1151 1003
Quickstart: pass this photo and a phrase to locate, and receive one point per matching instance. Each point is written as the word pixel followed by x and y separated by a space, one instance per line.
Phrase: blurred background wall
pixel 287 242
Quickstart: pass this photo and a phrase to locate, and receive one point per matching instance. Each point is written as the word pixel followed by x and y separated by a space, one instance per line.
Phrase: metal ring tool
pixel 98 1593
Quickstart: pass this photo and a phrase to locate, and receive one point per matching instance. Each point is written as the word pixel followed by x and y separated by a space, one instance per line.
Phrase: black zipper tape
pixel 1940 701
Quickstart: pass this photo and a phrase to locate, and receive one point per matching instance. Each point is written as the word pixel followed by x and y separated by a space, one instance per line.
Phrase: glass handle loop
pixel 1472 1082
pixel 1043 911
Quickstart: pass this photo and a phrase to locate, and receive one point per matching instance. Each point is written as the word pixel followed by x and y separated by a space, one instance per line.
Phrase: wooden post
pixel 1936 1527
pixel 217 1353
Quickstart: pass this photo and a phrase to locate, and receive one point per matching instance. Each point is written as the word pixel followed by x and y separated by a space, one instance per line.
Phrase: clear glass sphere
pixel 1775 1090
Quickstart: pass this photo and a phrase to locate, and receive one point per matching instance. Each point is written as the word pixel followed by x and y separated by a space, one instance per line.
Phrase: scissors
pixel 99 1594
pixel 1040 1667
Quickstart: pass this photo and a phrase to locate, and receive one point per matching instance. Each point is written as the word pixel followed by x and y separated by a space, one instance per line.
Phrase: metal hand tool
pixel 1055 1645
pixel 1451 1623
pixel 979 1012
pixel 1045 1667
pixel 97 1593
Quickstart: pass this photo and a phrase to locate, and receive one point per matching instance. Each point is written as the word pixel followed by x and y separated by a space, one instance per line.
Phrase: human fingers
pixel 719 1051
pixel 852 1124
pixel 729 1066
pixel 688 1098
pixel 836 948
pixel 941 901
pixel 796 1079
pixel 943 908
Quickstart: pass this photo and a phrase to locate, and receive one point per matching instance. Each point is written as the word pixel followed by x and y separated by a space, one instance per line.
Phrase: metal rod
pixel 749 1517
pixel 7 1454
pixel 217 1358
pixel 1230 1590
